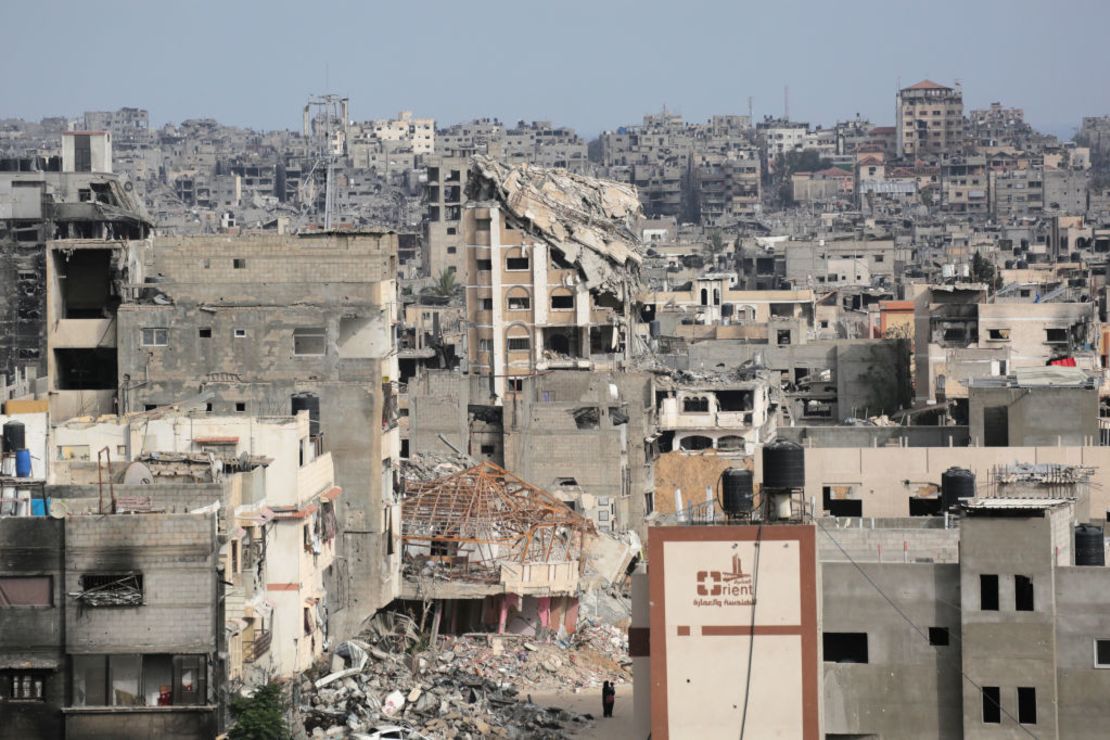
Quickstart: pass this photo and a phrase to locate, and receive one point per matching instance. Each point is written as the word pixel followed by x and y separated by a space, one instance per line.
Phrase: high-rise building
pixel 930 119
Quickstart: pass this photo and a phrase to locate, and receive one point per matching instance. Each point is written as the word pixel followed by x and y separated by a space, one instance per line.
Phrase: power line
pixel 910 622
pixel 751 635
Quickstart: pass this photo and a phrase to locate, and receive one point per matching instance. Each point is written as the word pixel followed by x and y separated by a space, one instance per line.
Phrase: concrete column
pixel 499 364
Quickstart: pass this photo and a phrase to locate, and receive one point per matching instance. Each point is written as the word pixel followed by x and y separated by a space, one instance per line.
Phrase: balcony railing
pixel 259 646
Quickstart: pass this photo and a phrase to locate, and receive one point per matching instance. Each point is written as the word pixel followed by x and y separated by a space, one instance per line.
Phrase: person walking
pixel 608 698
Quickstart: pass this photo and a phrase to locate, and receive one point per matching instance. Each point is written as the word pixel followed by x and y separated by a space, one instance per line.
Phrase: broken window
pixel 85 369
pixel 485 265
pixel 845 647
pixel 519 344
pixel 988 593
pixel 954 334
pixel 696 442
pixel 487 304
pixel 735 400
pixel 1023 593
pixel 938 636
pixel 310 341
pixel 516 263
pixel 138 680
pixel 996 426
pixel 85 283
pixel 731 442
pixel 239 333
pixel 998 335
pixel 783 336
pixel 110 589
pixel 205 332
pixel 519 303
pixel 239 264
pixel 17 591
pixel 587 418
pixel 617 416
pixel 22 686
pixel 240 406
pixel 695 404
pixel 516 384
pixel 562 301
pixel 1056 336
pixel 156 337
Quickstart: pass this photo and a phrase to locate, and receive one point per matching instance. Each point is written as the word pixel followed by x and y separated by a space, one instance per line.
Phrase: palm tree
pixel 445 286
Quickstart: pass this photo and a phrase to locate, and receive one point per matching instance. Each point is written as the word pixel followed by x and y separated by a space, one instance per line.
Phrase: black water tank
pixel 737 491
pixel 311 403
pixel 955 484
pixel 784 465
pixel 15 436
pixel 1089 548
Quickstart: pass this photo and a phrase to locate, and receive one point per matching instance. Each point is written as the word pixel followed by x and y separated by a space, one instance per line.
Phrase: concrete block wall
pixel 176 555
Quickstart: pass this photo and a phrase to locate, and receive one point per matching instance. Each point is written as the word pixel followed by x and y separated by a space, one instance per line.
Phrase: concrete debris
pixel 466 686
pixel 422 467
pixel 589 220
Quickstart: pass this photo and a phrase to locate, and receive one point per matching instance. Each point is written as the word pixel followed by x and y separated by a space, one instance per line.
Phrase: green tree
pixel 982 270
pixel 445 286
pixel 259 717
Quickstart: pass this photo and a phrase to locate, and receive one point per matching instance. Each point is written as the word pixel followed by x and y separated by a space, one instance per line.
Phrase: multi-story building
pixel 1017 192
pixel 445 190
pixel 930 119
pixel 271 325
pixel 71 233
pixel 551 273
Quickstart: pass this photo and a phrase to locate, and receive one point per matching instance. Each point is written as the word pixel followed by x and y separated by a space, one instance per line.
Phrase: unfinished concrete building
pixel 272 325
pixel 71 240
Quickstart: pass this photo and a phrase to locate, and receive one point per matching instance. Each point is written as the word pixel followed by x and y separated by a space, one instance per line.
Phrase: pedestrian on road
pixel 608 698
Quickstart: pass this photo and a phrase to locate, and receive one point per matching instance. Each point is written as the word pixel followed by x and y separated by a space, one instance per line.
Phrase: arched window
pixel 696 442
pixel 518 299
pixel 704 297
pixel 731 442
pixel 516 259
pixel 517 339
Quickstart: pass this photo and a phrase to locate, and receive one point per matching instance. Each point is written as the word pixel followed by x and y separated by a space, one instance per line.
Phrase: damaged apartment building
pixel 551 287
pixel 72 244
pixel 272 325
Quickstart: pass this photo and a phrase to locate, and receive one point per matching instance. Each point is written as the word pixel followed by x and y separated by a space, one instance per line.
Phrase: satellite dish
pixel 58 509
pixel 128 186
pixel 138 474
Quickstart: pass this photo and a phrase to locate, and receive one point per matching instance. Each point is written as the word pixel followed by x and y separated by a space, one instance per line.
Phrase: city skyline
pixel 243 71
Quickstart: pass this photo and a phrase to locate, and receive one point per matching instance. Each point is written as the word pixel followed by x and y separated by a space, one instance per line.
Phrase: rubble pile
pixel 422 467
pixel 466 687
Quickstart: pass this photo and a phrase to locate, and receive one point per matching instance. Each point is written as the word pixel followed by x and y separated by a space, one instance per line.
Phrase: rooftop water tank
pixel 737 492
pixel 784 466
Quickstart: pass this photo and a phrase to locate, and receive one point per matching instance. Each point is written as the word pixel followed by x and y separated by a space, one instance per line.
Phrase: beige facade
pixel 930 119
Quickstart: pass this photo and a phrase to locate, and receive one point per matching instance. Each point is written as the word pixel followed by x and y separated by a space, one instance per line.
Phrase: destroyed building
pixel 498 554
pixel 263 326
pixel 277 502
pixel 73 236
pixel 552 273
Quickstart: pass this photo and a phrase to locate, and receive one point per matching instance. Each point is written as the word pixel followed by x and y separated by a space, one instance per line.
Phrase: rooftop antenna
pixel 786 102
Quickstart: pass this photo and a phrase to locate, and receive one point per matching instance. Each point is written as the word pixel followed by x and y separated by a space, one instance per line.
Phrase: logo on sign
pixel 724 588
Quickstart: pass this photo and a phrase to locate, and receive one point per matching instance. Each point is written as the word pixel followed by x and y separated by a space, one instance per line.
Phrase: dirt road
pixel 617 727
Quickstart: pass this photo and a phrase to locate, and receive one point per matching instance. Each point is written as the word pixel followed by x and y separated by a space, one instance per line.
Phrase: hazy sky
pixel 591 64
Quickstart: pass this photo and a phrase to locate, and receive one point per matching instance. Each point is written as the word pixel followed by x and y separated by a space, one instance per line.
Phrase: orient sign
pixel 717 588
